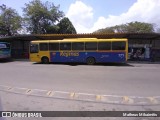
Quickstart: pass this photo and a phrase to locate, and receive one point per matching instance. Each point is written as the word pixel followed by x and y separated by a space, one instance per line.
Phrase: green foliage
pixel 139 27
pixel 106 30
pixel 52 29
pixel 10 21
pixel 120 28
pixel 132 27
pixel 66 27
pixel 41 16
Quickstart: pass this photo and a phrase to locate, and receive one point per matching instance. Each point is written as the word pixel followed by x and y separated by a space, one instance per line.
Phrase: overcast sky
pixel 90 15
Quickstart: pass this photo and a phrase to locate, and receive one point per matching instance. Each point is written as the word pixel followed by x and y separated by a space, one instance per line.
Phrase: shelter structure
pixel 142 46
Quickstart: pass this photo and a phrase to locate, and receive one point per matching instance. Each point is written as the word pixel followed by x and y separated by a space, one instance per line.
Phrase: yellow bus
pixel 84 50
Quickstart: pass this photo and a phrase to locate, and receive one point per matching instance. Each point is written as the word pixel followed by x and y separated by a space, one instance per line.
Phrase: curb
pixel 143 62
pixel 112 99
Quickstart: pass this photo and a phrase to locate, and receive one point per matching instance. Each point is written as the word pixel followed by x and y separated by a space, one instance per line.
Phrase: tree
pixel 105 30
pixel 53 29
pixel 132 27
pixel 140 27
pixel 158 30
pixel 66 27
pixel 120 28
pixel 41 16
pixel 10 21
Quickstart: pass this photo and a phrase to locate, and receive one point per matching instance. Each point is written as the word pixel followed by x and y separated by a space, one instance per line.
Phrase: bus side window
pixel 54 46
pixel 43 46
pixel 77 46
pixel 65 46
pixel 118 45
pixel 91 46
pixel 104 46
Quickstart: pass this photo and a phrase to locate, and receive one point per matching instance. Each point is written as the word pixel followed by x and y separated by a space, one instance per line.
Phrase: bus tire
pixel 91 61
pixel 45 60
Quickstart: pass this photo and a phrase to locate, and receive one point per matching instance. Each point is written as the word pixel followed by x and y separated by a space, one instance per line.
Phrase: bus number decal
pixel 121 55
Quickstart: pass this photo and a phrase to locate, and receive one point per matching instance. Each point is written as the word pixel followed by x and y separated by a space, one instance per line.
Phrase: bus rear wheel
pixel 45 60
pixel 91 61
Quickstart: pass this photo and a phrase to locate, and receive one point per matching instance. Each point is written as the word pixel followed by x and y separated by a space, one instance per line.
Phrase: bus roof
pixel 81 40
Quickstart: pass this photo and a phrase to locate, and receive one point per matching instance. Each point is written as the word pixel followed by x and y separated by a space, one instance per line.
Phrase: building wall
pixel 155 52
pixel 20 49
pixel 156 44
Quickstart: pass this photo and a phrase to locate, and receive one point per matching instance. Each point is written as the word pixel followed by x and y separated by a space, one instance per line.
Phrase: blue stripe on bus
pixel 82 56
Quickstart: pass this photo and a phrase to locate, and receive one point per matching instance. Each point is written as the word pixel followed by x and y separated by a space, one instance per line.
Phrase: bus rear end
pixel 5 50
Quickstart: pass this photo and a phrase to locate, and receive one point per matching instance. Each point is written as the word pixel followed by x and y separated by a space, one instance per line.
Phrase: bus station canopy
pixel 32 37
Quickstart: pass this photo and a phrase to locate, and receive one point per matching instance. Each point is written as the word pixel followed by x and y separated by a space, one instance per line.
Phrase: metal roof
pixel 65 36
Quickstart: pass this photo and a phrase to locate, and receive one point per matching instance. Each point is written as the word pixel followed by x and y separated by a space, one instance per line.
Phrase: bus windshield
pixel 34 48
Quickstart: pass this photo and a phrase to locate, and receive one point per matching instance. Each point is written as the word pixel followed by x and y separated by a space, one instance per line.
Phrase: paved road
pixel 131 80
pixel 110 79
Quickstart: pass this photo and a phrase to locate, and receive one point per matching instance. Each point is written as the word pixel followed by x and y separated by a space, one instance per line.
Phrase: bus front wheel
pixel 91 61
pixel 45 60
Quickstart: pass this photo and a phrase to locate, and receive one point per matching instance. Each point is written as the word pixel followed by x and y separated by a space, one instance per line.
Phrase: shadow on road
pixel 6 60
pixel 98 64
